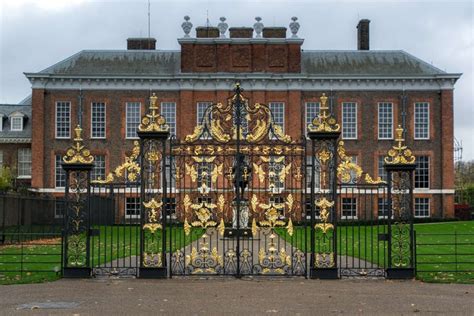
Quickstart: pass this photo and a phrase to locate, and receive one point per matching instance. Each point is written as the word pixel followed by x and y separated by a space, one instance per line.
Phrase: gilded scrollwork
pixel 324 257
pixel 219 122
pixel 78 153
pixel 153 121
pixel 130 168
pixel 399 153
pixel 324 121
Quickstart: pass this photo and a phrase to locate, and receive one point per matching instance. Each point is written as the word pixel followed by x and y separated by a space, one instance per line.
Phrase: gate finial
pixel 78 153
pixel 399 153
pixel 324 122
pixel 153 121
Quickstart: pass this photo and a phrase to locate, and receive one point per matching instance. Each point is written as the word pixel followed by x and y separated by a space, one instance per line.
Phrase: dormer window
pixel 1 121
pixel 16 121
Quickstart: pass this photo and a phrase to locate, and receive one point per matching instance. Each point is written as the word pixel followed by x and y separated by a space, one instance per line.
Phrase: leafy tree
pixel 6 179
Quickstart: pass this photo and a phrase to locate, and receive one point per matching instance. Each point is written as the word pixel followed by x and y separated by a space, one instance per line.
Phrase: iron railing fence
pixel 30 238
pixel 445 257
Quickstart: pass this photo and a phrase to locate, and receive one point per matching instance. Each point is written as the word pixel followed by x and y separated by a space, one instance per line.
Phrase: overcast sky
pixel 36 34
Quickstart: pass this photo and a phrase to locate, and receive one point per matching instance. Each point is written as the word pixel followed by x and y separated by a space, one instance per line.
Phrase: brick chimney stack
pixel 363 34
pixel 141 43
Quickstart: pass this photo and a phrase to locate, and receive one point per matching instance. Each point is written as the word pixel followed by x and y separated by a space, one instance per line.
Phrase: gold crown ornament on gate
pixel 153 121
pixel 324 121
pixel 399 153
pixel 78 153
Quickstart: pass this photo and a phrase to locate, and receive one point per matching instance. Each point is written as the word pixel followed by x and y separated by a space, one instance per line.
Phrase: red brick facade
pixel 270 70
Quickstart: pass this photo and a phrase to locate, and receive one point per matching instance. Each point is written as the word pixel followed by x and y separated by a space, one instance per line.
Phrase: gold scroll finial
pixel 324 121
pixel 153 121
pixel 78 153
pixel 399 153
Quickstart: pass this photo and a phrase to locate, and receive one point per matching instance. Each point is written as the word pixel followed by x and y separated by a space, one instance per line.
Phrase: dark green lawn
pixel 435 248
pixel 40 260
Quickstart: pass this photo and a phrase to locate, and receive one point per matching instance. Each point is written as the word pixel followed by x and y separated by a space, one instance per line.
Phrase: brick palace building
pixel 371 92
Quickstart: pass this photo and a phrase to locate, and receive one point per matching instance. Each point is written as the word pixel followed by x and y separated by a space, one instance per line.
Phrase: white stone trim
pixel 12 140
pixel 249 81
pixel 368 190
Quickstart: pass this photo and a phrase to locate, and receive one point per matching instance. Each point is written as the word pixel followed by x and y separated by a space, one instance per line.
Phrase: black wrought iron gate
pixel 239 197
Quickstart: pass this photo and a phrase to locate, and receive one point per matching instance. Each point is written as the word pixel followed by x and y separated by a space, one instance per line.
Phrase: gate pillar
pixel 400 164
pixel 78 163
pixel 154 133
pixel 324 133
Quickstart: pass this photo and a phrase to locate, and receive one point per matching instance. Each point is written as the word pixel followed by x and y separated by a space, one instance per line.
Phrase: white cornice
pixel 249 81
pixel 12 140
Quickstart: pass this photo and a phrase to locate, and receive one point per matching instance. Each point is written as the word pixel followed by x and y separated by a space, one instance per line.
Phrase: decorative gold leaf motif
pixel 323 205
pixel 254 203
pixel 195 135
pixel 259 171
pixel 78 153
pixel 289 202
pixel 324 121
pixel 369 180
pixel 284 172
pixel 324 155
pixel 399 154
pixel 348 171
pixel 216 172
pixel 221 203
pixel 152 227
pixel 153 121
pixel 289 227
pixel 187 227
pixel 191 171
pixel 221 227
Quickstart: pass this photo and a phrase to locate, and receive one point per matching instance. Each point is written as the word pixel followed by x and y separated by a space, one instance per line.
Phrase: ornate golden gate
pixel 240 197
pixel 239 189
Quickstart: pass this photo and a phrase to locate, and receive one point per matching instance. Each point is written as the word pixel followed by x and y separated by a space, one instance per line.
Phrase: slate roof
pixel 314 63
pixel 6 135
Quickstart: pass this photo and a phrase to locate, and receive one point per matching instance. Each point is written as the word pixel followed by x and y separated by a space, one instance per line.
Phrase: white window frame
pixel 12 123
pixel 429 208
pixel 378 208
pixel 356 209
pixel 139 104
pixel 1 121
pixel 428 170
pixel 96 167
pixel 201 106
pixel 317 174
pixel 271 106
pixel 308 118
pixel 356 132
pixel 378 120
pixel 104 123
pixel 172 125
pixel 137 198
pixel 56 120
pixel 23 176
pixel 380 159
pixel 56 167
pixel 428 121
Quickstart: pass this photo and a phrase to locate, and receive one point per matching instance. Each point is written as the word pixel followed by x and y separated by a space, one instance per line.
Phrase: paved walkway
pixel 286 296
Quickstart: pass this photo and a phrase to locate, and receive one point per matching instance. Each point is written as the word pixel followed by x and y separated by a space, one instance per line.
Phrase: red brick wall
pixel 367 147
pixel 237 58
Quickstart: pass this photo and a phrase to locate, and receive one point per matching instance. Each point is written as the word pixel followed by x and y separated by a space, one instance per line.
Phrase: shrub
pixel 6 179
